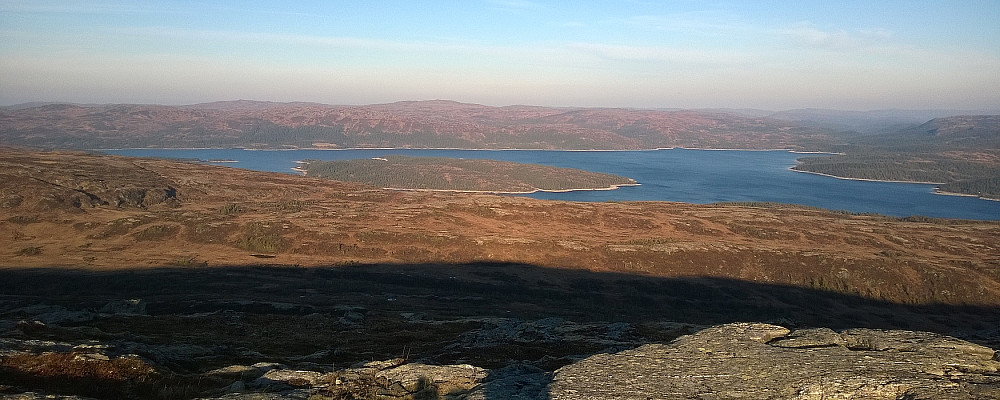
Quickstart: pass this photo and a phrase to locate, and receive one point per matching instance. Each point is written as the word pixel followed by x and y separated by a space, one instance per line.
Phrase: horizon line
pixel 31 104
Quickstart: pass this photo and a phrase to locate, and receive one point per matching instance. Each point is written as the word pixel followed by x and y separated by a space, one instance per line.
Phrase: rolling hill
pixel 962 153
pixel 418 124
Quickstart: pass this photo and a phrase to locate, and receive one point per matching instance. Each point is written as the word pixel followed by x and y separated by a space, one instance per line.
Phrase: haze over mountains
pixel 437 123
pixel 375 275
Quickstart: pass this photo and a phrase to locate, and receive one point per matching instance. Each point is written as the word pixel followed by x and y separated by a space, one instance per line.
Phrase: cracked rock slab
pixel 761 361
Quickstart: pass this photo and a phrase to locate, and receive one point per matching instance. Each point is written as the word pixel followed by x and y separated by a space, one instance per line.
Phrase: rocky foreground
pixel 761 361
pixel 733 361
pixel 132 278
pixel 495 331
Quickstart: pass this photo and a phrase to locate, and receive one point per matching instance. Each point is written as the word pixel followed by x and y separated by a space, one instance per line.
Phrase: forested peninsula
pixel 465 175
pixel 952 175
pixel 960 154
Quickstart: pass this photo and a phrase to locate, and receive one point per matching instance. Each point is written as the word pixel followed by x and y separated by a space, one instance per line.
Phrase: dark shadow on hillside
pixel 486 314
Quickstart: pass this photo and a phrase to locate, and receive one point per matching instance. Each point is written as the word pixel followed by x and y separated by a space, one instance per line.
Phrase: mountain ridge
pixel 420 124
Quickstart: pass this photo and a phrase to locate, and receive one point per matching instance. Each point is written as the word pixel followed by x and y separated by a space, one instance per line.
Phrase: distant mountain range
pixel 449 124
pixel 869 122
pixel 961 152
pixel 977 129
pixel 418 124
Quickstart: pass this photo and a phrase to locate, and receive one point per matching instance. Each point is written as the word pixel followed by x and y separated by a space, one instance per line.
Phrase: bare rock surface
pixel 287 377
pixel 383 380
pixel 732 361
pixel 300 394
pixel 513 382
pixel 761 361
pixel 807 338
pixel 440 379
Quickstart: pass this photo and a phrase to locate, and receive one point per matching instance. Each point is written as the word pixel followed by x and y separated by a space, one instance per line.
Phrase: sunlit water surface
pixel 692 176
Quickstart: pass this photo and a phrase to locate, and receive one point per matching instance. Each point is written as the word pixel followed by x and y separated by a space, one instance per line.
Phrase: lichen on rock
pixel 761 361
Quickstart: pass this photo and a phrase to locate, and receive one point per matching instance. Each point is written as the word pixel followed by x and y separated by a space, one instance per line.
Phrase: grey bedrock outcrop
pixel 761 361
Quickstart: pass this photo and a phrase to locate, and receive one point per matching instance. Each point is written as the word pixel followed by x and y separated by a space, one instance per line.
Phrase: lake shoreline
pixel 301 167
pixel 460 148
pixel 937 191
pixel 946 193
pixel 612 187
pixel 695 176
pixel 792 168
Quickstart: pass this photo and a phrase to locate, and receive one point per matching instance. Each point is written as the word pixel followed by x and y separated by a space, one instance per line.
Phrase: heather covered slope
pixel 128 278
pixel 73 209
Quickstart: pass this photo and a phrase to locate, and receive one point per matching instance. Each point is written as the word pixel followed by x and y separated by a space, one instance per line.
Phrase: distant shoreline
pixel 935 191
pixel 299 169
pixel 456 148
pixel 612 187
pixel 946 193
pixel 792 168
pixel 302 163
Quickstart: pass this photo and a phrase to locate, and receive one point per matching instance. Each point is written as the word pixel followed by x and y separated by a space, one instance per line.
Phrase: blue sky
pixel 629 53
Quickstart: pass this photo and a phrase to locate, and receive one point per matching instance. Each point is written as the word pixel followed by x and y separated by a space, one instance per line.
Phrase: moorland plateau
pixel 127 277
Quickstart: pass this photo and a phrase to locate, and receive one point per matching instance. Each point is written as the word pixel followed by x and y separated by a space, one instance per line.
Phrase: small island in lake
pixel 464 175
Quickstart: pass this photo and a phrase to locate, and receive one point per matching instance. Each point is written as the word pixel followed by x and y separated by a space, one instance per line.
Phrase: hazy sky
pixel 856 55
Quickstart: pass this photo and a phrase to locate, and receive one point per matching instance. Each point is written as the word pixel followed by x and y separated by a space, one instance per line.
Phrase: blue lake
pixel 692 176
